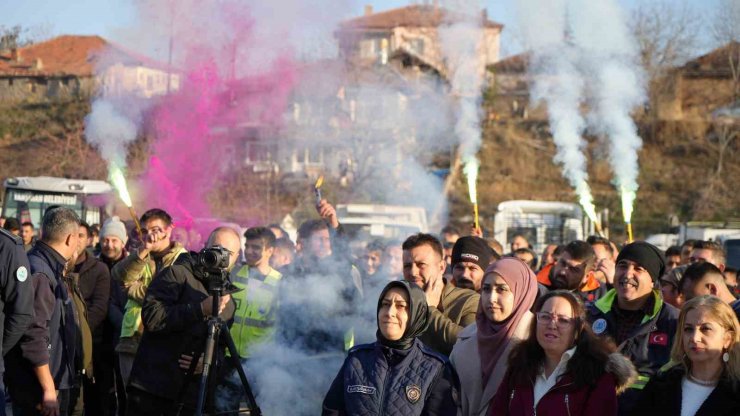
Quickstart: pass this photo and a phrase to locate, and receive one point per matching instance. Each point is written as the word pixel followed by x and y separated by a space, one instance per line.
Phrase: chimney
pixel 368 9
pixel 15 55
pixel 484 15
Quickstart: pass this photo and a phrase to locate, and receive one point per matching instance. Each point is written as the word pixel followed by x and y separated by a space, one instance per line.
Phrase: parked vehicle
pixel 541 223
pixel 27 198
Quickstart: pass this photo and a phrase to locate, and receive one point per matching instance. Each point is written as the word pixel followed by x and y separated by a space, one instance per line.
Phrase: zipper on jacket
pixel 511 398
pixel 382 393
pixel 567 405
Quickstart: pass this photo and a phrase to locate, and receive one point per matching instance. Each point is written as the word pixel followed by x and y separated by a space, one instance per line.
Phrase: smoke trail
pixel 461 45
pixel 556 79
pixel 610 55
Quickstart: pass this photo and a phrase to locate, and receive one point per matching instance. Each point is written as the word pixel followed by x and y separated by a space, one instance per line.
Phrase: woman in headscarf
pixel 397 374
pixel 508 293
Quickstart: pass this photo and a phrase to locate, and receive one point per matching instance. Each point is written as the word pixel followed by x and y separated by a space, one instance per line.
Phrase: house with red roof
pixel 414 31
pixel 71 66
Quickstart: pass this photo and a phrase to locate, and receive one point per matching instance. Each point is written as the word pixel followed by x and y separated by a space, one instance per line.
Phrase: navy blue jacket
pixel 16 292
pixel 52 337
pixel 378 380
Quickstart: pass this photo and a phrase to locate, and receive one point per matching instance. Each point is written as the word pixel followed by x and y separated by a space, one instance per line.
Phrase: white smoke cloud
pixel 110 131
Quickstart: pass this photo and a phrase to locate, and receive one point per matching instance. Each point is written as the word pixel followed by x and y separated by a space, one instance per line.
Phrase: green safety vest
pixel 256 304
pixel 132 324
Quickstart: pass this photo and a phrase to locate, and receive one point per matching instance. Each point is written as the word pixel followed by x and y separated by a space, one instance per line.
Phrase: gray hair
pixel 58 223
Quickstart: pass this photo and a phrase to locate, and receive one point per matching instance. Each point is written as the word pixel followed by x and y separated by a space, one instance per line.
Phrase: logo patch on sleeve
pixel 599 326
pixel 361 389
pixel 21 274
pixel 658 338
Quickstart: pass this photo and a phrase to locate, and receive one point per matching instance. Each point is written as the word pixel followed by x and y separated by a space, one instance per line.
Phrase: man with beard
pixel 452 308
pixel 175 317
pixel 574 271
pixel 634 315
pixel 113 239
pixel 470 258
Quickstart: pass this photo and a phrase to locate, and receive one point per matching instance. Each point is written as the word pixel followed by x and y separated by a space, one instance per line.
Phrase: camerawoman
pixel 176 309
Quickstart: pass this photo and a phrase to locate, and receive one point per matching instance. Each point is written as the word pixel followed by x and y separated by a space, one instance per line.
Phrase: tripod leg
pixel 213 331
pixel 254 410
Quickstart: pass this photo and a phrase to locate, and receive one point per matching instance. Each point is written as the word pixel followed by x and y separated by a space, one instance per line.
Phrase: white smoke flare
pixel 579 46
pixel 610 55
pixel 557 81
pixel 461 46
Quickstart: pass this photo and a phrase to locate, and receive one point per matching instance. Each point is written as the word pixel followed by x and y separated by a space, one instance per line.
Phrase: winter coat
pixel 456 310
pixel 648 346
pixel 94 284
pixel 663 394
pixel 474 399
pixel 375 380
pixel 565 398
pixel 51 337
pixel 136 275
pixel 16 292
pixel 173 325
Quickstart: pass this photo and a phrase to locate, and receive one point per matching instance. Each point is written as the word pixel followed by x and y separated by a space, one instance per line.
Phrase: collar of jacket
pixel 56 261
pixel 89 263
pixel 606 303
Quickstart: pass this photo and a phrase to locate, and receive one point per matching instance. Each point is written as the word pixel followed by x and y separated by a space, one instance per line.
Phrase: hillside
pixel 677 178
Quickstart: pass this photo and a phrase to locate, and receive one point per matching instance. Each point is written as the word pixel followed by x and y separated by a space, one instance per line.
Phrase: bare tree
pixel 726 31
pixel 666 32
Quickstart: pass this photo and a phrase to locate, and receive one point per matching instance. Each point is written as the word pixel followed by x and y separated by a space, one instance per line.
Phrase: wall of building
pixel 38 89
pixel 138 80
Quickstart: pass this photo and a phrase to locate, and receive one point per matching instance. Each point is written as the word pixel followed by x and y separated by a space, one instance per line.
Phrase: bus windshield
pixel 28 205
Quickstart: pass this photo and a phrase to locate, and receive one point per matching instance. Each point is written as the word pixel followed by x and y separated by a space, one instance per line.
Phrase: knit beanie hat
pixel 113 226
pixel 646 255
pixel 472 249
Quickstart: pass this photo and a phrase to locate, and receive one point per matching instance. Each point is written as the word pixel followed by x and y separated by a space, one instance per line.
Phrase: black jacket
pixel 95 288
pixel 173 325
pixel 16 292
pixel 648 346
pixel 663 394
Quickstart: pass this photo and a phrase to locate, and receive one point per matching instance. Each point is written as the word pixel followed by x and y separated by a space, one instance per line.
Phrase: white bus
pixel 27 198
pixel 541 223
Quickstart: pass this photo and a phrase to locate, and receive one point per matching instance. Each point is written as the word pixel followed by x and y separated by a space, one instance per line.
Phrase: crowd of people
pixel 103 321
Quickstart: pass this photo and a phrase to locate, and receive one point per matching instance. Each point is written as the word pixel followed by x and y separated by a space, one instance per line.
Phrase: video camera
pixel 211 266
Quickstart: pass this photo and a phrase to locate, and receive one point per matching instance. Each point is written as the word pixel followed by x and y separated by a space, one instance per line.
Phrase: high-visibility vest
pixel 256 304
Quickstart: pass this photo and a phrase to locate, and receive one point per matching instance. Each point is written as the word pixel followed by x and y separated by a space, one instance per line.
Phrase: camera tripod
pixel 217 330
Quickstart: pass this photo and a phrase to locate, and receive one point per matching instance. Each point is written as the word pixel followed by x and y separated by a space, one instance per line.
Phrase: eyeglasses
pixel 561 321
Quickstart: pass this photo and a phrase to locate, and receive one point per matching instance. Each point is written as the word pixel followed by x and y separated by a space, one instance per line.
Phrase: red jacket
pixel 598 398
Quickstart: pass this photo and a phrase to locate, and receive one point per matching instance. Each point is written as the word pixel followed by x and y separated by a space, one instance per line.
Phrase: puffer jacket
pixel 378 380
pixel 565 398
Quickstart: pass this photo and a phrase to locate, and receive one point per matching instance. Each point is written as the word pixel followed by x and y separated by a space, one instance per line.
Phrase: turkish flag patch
pixel 658 338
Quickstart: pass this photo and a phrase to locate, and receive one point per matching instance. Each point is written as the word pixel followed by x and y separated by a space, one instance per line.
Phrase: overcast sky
pixel 109 18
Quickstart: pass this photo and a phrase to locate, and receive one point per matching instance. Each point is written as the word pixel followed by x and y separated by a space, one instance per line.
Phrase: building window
pixel 417 46
pixel 149 82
